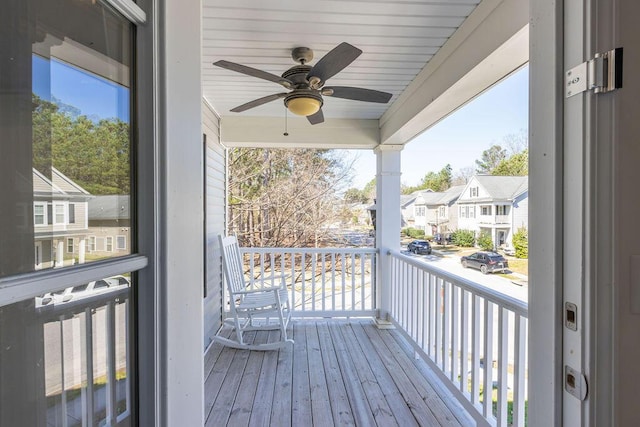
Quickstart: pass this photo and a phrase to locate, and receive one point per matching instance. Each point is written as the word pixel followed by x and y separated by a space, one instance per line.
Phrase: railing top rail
pixel 309 250
pixel 513 304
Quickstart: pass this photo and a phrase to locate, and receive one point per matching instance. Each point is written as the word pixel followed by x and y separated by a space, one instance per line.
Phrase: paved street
pixel 451 263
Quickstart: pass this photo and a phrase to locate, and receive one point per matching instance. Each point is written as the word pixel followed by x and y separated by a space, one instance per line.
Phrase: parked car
pixel 442 238
pixel 509 250
pixel 419 247
pixel 486 262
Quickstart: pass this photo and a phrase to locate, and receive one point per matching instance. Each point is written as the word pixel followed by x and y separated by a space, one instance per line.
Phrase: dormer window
pixel 473 192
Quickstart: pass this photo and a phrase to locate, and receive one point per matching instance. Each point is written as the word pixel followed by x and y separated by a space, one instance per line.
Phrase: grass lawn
pixel 518 265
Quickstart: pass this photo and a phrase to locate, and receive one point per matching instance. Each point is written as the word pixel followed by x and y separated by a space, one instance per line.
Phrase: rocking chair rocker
pixel 252 309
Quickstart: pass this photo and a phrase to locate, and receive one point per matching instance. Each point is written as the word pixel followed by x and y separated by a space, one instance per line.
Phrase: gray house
pixel 109 225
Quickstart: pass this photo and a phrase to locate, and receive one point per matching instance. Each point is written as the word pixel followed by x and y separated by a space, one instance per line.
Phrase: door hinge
pixel 601 74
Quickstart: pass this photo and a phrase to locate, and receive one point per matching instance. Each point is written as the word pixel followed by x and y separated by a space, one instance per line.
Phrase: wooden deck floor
pixel 338 373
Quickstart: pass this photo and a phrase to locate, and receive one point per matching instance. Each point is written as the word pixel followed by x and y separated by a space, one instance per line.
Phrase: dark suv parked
pixel 419 247
pixel 486 262
pixel 442 238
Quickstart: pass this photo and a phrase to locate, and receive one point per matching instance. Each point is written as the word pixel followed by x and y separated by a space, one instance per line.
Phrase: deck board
pixel 338 372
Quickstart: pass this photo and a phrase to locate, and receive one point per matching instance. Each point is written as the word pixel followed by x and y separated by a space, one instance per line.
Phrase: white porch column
pixel 388 218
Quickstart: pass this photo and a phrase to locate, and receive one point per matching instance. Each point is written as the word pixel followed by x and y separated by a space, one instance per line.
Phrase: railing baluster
pixel 446 340
pixel 303 279
pixel 343 262
pixel 464 341
pixel 488 359
pixel 324 283
pixel 313 281
pixel 475 350
pixel 353 282
pixel 503 350
pixel 363 263
pixel 433 307
pixel 455 350
pixel 519 356
pixel 422 303
pixel 333 281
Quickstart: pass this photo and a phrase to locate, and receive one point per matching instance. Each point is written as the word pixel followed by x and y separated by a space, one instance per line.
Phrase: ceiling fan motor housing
pixel 298 75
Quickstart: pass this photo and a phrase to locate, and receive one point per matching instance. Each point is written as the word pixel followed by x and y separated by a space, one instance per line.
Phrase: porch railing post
pixel 388 219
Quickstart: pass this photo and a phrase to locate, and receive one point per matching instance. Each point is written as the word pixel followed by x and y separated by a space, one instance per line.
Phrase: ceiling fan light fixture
pixel 303 105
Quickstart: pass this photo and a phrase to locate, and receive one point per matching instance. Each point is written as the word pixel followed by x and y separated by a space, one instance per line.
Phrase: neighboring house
pixel 59 218
pixel 497 205
pixel 433 210
pixel 407 202
pixel 109 225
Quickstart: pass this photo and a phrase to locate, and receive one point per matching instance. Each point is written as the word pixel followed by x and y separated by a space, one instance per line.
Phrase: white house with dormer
pixel 434 212
pixel 497 205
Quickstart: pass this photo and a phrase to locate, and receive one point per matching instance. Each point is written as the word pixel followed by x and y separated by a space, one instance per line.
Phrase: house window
pixel 472 211
pixel 473 192
pixel 91 244
pixel 502 210
pixel 121 243
pixel 462 214
pixel 485 210
pixel 68 74
pixel 59 219
pixel 443 212
pixel 108 243
pixel 39 214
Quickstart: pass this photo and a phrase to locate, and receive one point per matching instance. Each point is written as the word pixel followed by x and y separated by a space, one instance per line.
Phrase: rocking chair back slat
pixel 232 259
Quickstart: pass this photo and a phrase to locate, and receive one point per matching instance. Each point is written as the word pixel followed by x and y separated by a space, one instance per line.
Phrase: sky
pixel 460 138
pixel 80 89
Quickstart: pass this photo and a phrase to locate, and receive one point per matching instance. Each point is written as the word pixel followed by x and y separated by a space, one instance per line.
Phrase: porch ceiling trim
pixel 492 43
pixel 259 132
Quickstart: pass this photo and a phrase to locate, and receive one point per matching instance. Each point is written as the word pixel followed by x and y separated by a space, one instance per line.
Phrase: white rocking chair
pixel 252 309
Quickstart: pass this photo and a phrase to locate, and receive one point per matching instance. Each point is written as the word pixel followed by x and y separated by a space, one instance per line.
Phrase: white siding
pixel 215 194
pixel 520 212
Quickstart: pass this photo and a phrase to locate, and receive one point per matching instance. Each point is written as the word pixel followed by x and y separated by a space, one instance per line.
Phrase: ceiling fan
pixel 307 83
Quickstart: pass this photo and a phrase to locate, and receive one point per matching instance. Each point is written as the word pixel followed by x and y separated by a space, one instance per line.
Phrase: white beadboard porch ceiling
pixel 397 38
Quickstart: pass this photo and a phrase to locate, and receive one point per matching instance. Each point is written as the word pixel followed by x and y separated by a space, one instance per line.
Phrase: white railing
pixel 457 326
pixel 328 282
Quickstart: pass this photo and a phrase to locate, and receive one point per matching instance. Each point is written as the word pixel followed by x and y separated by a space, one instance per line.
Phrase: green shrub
pixel 485 242
pixel 464 238
pixel 413 233
pixel 521 243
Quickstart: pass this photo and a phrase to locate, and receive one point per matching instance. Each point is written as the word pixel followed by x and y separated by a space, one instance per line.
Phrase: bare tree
pixel 284 198
pixel 516 142
pixel 463 175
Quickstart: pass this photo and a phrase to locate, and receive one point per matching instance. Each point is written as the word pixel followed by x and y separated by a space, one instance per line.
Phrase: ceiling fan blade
pixel 316 118
pixel 334 61
pixel 358 94
pixel 254 72
pixel 258 102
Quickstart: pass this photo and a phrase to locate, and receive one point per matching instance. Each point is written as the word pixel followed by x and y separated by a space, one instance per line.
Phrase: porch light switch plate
pixel 634 284
pixel 575 80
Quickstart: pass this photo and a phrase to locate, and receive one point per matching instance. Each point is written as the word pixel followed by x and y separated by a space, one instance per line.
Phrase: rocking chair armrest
pixel 254 291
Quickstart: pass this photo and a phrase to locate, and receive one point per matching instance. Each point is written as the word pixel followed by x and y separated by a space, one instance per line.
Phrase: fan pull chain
pixel 286 133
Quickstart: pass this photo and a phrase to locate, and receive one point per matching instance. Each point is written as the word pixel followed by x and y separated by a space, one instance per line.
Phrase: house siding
pixel 215 222
pixel 520 213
